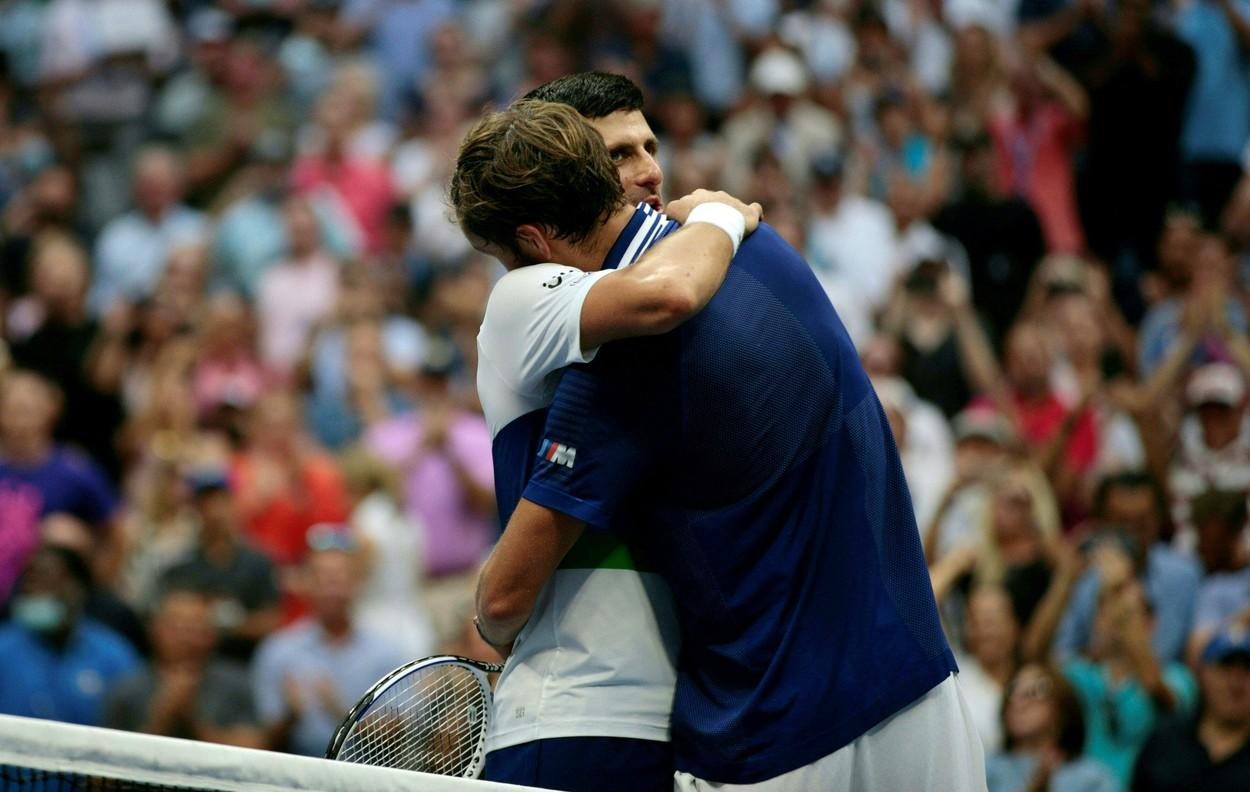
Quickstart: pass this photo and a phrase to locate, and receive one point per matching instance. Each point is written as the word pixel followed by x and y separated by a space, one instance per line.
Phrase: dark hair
pixel 1071 738
pixel 594 94
pixel 1228 507
pixel 539 163
pixel 1129 479
pixel 78 568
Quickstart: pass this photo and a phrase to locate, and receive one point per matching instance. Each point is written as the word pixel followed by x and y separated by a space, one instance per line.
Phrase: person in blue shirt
pixel 750 457
pixel 58 664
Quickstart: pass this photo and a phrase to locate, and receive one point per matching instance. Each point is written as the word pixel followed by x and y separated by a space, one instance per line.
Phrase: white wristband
pixel 724 217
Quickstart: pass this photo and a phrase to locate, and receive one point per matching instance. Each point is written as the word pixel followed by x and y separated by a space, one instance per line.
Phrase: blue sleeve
pixel 1078 619
pixel 268 684
pixel 1183 685
pixel 97 501
pixel 606 432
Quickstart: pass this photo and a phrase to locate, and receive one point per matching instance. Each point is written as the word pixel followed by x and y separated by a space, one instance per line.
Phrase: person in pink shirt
pixel 363 186
pixel 297 293
pixel 443 454
pixel 1034 142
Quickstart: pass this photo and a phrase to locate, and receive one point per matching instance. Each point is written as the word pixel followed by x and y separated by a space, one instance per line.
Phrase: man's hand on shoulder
pixel 680 209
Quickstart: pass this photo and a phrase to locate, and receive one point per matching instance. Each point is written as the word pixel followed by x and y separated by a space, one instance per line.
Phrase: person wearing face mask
pixel 58 664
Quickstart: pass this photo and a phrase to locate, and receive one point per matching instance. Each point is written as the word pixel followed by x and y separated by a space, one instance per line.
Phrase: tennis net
pixel 41 756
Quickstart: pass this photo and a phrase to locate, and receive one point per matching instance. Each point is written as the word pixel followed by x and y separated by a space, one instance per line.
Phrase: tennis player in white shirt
pixel 585 698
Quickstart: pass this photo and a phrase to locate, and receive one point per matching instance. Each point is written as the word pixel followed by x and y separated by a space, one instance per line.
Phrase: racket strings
pixel 433 721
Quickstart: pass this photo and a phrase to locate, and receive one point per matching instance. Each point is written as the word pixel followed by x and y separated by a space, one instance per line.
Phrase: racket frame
pixel 362 707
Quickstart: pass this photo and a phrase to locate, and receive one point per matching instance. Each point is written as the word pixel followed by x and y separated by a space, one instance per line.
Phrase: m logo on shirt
pixel 558 453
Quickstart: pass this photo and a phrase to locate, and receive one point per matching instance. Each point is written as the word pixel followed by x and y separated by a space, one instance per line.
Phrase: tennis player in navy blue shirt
pixel 759 473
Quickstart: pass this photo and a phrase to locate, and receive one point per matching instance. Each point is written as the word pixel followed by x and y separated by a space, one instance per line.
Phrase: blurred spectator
pixel 390 600
pixel 999 231
pixel 70 348
pixel 100 604
pixel 232 119
pixel 1217 116
pixel 306 676
pixel 442 453
pixel 1132 505
pixel 330 357
pixel 59 663
pixel 851 242
pixel 1204 321
pixel 185 692
pixel 989 661
pixel 687 153
pixel 983 443
pixel 1138 85
pixel 1210 752
pixel 132 249
pixel 45 205
pixel 39 477
pixel 945 355
pixel 371 396
pixel 297 294
pixel 924 443
pixel 227 373
pixel 1044 739
pixel 1123 689
pixel 779 116
pixel 238 581
pixel 357 186
pixel 1213 449
pixel 1219 518
pixel 400 34
pixel 1035 142
pixel 283 484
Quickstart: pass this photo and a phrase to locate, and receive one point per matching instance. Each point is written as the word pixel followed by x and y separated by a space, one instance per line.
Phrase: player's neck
pixel 590 254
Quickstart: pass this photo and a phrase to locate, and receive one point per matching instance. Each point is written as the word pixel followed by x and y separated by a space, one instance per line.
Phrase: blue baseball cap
pixel 1230 643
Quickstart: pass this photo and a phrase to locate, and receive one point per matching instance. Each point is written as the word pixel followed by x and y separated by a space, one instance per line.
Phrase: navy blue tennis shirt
pixel 760 475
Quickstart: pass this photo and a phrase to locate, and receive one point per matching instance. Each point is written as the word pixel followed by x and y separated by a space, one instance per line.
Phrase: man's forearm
pixel 527 555
pixel 668 285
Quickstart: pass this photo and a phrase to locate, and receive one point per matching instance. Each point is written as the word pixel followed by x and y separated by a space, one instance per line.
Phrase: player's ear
pixel 533 242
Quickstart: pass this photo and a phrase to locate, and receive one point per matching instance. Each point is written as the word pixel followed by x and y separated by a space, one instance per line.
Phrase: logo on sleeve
pixel 558 453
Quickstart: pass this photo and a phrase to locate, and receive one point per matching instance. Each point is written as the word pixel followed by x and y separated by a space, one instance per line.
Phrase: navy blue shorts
pixel 585 764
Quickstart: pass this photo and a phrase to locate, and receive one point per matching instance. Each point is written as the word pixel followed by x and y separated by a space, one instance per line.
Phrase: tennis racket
pixel 431 715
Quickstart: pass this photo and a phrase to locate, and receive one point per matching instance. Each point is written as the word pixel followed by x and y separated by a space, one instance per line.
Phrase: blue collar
pixel 643 230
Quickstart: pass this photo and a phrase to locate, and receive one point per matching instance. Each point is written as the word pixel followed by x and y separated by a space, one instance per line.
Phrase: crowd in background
pixel 243 470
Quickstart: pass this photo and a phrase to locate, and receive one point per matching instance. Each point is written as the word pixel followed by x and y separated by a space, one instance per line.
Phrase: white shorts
pixel 930 746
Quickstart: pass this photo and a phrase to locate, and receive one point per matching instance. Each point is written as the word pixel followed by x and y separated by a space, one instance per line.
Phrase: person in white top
pixel 585 697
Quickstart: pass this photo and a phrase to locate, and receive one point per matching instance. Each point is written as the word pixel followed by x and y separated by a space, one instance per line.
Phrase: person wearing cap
pixel 1213 448
pixel 850 239
pixel 779 112
pixel 58 663
pixel 239 581
pixel 1209 751
pixel 306 676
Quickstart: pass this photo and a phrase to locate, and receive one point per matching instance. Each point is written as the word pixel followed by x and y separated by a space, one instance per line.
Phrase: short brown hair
pixel 535 162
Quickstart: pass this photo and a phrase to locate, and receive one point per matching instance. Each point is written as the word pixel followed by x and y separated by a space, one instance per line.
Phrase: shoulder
pixel 1173 567
pixel 104 642
pixel 12 638
pixel 517 292
pixel 1086 775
